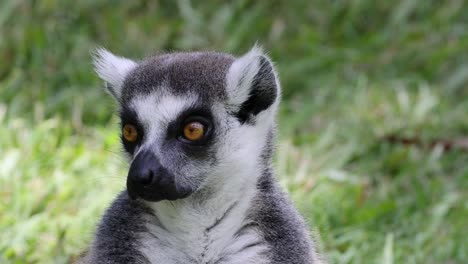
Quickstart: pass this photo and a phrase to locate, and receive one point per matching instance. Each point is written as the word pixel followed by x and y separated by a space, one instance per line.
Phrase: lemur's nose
pixel 149 180
pixel 142 172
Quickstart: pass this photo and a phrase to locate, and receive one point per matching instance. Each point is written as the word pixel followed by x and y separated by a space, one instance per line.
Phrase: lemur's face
pixel 191 120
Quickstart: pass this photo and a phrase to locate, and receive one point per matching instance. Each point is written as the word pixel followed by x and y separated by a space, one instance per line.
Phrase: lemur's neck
pixel 226 204
pixel 208 224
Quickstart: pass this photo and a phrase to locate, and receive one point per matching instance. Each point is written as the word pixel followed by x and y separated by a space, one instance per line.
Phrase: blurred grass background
pixel 353 72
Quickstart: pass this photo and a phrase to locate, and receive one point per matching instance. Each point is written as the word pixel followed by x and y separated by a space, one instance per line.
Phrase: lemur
pixel 199 130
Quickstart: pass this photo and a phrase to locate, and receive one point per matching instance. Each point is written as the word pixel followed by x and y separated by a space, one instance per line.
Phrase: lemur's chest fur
pixel 197 235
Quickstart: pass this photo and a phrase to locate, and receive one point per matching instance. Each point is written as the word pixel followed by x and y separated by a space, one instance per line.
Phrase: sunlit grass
pixel 352 72
pixel 375 201
pixel 54 185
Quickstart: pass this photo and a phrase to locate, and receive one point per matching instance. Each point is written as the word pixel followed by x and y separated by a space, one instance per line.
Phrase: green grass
pixel 353 72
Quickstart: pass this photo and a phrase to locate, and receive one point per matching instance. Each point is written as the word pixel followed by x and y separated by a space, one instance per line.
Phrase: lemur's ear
pixel 112 70
pixel 252 85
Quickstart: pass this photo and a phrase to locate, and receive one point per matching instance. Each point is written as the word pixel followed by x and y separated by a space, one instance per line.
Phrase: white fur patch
pixel 156 110
pixel 240 76
pixel 112 69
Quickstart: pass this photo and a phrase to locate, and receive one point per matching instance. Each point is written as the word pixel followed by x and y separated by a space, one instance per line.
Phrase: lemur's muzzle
pixel 148 180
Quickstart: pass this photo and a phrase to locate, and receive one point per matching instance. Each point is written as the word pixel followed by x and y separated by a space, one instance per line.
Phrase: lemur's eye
pixel 130 133
pixel 194 131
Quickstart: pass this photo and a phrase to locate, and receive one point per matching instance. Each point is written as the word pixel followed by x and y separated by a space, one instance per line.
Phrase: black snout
pixel 149 180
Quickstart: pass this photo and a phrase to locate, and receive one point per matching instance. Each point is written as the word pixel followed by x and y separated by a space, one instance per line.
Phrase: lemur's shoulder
pixel 116 239
pixel 281 225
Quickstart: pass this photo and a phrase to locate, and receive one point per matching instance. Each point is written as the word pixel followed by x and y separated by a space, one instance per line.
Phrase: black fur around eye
pixel 131 141
pixel 195 130
pixel 131 137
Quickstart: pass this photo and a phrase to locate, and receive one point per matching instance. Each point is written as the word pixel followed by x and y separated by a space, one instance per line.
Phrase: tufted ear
pixel 112 70
pixel 252 85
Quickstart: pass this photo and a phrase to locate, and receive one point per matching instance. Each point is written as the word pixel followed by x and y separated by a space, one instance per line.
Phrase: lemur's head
pixel 191 120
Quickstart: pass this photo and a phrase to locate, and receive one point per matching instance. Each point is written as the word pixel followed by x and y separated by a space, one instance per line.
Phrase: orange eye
pixel 194 131
pixel 130 133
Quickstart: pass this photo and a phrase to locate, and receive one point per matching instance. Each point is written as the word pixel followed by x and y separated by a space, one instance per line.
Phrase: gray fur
pixel 203 72
pixel 236 212
pixel 116 236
